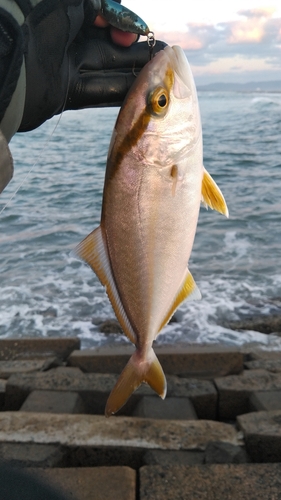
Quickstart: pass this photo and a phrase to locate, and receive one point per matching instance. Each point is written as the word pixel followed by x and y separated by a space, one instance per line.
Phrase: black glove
pixel 71 64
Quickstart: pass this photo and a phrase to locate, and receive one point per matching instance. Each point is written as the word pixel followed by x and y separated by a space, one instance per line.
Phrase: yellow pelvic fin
pixel 212 195
pixel 135 372
pixel 189 290
pixel 93 250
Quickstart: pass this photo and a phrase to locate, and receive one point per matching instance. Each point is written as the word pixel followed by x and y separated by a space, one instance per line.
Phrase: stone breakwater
pixel 217 436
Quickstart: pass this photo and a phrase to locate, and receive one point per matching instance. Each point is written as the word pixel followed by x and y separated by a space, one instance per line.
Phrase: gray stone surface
pixel 170 408
pixel 265 324
pixel 265 401
pixel 262 431
pixel 8 368
pixel 54 402
pixel 32 454
pixel 100 483
pixel 259 354
pixel 225 453
pixel 94 389
pixel 3 384
pixel 129 432
pixel 160 457
pixel 35 347
pixel 202 393
pixel 234 390
pixel 190 361
pixel 271 365
pixel 211 482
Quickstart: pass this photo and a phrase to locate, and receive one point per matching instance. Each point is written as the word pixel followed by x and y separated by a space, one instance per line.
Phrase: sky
pixel 226 40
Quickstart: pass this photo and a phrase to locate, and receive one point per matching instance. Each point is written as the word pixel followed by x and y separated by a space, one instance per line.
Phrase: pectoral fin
pixel 93 251
pixel 212 195
pixel 189 290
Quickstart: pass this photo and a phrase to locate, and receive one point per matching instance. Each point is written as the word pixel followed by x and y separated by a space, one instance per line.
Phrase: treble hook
pixel 151 43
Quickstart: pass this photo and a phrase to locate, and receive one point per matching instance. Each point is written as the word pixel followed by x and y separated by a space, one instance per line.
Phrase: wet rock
pixel 110 326
pixel 263 324
pixel 50 312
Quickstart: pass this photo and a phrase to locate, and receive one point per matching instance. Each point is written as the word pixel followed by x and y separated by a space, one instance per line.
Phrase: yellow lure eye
pixel 159 100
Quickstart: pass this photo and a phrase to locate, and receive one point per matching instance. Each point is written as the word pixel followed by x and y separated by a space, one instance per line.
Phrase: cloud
pixel 252 27
pixel 255 35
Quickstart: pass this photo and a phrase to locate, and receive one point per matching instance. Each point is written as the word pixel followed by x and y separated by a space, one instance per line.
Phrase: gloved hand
pixel 72 64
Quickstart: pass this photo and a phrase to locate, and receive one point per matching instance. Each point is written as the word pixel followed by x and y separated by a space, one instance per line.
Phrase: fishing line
pixel 36 162
pixel 47 142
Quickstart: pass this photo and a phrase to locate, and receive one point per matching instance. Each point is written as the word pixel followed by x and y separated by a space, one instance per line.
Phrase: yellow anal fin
pixel 189 290
pixel 93 251
pixel 212 195
pixel 135 372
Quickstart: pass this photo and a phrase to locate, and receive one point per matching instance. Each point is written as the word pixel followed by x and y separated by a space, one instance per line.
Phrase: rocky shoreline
pixel 217 436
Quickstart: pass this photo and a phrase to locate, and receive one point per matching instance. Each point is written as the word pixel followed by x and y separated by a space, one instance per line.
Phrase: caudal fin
pixel 135 372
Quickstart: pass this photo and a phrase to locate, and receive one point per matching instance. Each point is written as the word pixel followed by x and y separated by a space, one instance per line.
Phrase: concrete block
pixel 54 402
pixel 94 389
pixel 170 408
pixel 8 368
pixel 211 482
pixel 271 365
pixel 262 431
pixel 225 453
pixel 32 454
pixel 3 384
pixel 265 401
pixel 29 348
pixel 202 394
pixel 235 390
pixel 100 483
pixel 117 432
pixel 186 361
pixel 160 457
pixel 258 354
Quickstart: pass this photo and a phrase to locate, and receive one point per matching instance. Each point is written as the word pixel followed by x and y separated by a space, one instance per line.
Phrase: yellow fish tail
pixel 135 372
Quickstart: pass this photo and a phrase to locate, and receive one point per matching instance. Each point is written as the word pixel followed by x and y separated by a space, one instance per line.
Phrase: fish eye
pixel 162 101
pixel 159 100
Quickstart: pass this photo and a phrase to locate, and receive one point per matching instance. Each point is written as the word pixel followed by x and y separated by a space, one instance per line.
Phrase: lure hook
pixel 151 41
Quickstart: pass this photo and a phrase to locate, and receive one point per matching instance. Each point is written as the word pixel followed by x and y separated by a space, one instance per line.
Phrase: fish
pixel 154 184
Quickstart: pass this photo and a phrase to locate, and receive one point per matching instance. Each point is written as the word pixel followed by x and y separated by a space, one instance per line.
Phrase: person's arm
pixel 56 59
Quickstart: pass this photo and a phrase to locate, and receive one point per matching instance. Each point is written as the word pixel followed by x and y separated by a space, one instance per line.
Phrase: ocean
pixel 236 262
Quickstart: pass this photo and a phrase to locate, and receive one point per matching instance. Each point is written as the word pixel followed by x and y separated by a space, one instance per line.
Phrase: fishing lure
pixel 122 18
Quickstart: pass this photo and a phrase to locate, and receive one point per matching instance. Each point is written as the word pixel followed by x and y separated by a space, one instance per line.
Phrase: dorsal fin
pixel 189 290
pixel 212 195
pixel 93 251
